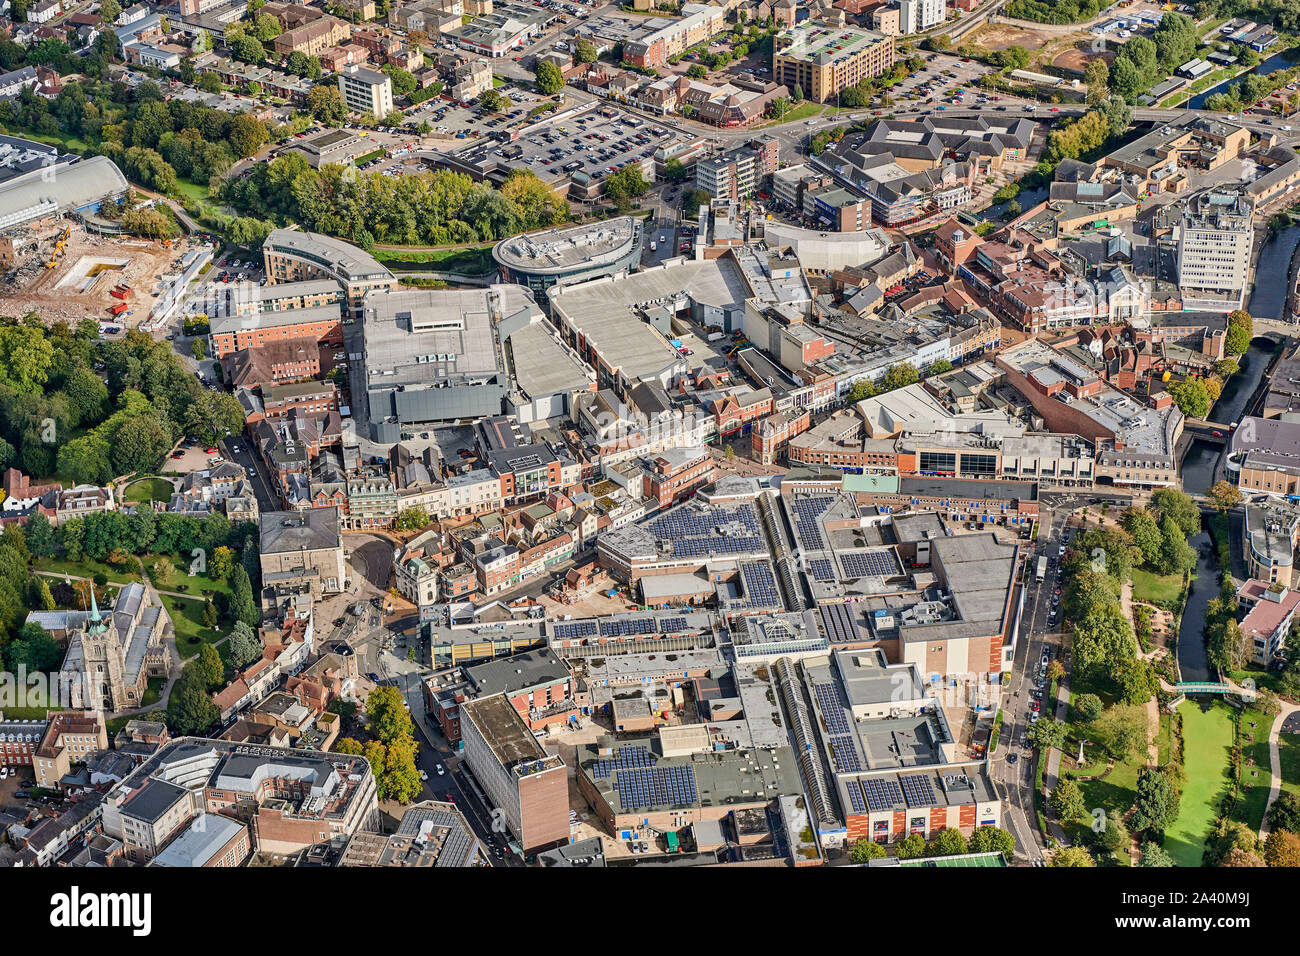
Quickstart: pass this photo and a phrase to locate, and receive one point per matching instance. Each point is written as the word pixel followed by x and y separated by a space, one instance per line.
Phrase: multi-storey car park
pixel 570 254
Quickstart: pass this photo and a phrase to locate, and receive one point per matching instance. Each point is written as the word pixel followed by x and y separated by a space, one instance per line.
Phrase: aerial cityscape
pixel 560 433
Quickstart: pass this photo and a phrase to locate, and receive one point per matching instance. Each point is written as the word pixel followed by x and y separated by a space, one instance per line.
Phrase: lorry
pixel 1042 568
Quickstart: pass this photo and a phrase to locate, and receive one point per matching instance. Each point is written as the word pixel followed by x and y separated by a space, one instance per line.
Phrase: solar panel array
pixel 692 523
pixel 828 701
pixel 838 623
pixel 821 569
pixel 917 790
pixel 700 547
pixel 619 626
pixel 806 513
pixel 570 630
pixel 643 788
pixel 844 751
pixel 760 584
pixel 672 624
pixel 861 564
pixel 856 798
pixel 627 758
pixel 882 793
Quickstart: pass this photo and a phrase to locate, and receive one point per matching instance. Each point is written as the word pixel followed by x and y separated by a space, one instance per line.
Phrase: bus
pixel 1042 569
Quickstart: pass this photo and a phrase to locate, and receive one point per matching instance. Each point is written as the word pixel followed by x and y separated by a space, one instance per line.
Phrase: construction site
pixel 60 271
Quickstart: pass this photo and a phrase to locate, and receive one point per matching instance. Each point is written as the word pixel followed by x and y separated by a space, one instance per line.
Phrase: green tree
pixel 1072 856
pixel 247 49
pixel 1176 555
pixel 190 709
pixel 1155 806
pixel 210 666
pixel 1237 341
pixel 910 847
pixel 247 135
pixel 1191 396
pixel 1067 800
pixel 900 375
pixel 25 358
pixel 1145 533
pixel 242 606
pixel 947 842
pixel 1285 812
pixel 865 850
pixel 1225 495
pixel 987 839
pixel 221 563
pixel 1046 733
pixel 243 645
pixel 1096 76
pixel 1180 506
pixel 1087 707
pixel 586 51
pixel 1113 837
pixel 40 536
pixel 549 78
pixel 348 745
pixel 1153 854
pixel 697 71
pixel 411 519
pixel 387 714
pixel 325 103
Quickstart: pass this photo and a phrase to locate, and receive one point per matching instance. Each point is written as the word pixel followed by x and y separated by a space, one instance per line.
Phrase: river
pixel 1278 61
pixel 1198 469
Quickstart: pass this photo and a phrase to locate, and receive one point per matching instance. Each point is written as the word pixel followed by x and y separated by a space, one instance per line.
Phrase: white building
pixel 1214 243
pixel 917 15
pixel 366 91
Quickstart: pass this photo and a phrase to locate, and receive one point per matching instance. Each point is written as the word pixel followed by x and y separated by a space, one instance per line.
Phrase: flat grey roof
pixel 544 367
pixel 602 310
pixel 560 249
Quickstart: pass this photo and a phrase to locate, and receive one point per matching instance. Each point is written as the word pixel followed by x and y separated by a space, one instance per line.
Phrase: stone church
pixel 116 655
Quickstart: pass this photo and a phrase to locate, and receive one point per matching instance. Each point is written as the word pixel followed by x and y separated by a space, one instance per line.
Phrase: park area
pixel 1208 733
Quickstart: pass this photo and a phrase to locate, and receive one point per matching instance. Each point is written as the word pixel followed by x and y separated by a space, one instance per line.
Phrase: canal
pixel 1202 458
pixel 1278 61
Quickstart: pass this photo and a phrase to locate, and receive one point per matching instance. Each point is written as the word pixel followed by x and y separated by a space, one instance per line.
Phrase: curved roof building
pixel 78 186
pixel 292 255
pixel 569 254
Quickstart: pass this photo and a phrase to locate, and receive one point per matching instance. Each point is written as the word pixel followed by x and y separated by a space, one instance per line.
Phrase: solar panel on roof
pixel 861 564
pixel 821 569
pixel 882 793
pixel 917 790
pixel 844 754
pixel 856 799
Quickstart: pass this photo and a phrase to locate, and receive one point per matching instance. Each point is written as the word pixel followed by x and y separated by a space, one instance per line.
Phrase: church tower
pixel 105 661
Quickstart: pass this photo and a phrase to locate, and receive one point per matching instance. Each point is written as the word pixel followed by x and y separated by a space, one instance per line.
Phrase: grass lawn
pixel 187 619
pixel 181 580
pixel 148 489
pixel 153 693
pixel 85 568
pixel 1288 755
pixel 1255 775
pixel 1162 589
pixel 802 112
pixel 1207 738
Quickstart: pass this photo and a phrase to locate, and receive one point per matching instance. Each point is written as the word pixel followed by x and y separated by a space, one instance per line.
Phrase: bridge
pixel 1213 432
pixel 1204 687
